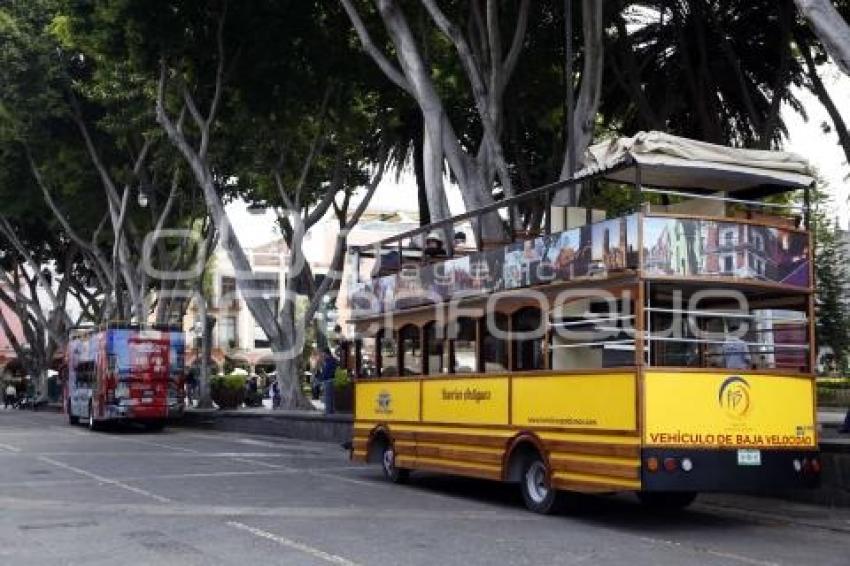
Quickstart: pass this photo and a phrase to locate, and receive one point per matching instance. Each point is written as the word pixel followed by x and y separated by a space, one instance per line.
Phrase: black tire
pixel 391 471
pixel 155 426
pixel 666 500
pixel 92 423
pixel 536 487
pixel 72 419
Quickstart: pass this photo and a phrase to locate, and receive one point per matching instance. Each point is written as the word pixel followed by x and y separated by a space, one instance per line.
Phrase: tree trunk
pixel 204 398
pixel 419 173
pixel 288 348
pixel 831 29
pixel 584 118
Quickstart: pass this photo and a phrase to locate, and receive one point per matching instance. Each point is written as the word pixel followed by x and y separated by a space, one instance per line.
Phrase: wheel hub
pixel 535 482
pixel 389 460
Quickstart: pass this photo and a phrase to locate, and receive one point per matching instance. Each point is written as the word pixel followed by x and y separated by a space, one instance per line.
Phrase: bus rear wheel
pixel 154 426
pixel 536 487
pixel 93 424
pixel 666 500
pixel 391 471
pixel 72 418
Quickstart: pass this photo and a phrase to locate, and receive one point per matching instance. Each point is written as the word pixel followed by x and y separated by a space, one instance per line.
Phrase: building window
pixel 229 299
pixel 227 332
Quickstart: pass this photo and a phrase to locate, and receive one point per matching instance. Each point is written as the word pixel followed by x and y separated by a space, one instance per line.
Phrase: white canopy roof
pixel 671 161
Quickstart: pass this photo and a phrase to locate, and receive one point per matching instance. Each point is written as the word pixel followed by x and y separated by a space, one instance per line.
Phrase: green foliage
pixel 832 277
pixel 232 382
pixel 341 378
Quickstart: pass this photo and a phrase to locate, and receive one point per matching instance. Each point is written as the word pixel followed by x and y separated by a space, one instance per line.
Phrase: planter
pixel 227 398
pixel 344 398
pixel 833 396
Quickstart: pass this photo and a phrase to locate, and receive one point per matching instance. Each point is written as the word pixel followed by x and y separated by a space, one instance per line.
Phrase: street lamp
pixel 143 197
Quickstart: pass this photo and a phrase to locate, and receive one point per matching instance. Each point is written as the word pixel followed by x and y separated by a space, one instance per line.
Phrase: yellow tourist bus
pixel 662 345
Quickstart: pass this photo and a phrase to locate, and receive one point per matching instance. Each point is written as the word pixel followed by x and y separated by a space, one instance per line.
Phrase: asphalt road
pixel 68 496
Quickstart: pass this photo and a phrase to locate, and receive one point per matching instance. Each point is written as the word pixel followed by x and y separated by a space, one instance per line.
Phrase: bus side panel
pixel 598 448
pixel 586 425
pixel 379 402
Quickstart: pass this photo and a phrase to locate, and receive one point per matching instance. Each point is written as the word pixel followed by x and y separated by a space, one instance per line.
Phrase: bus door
pixel 81 375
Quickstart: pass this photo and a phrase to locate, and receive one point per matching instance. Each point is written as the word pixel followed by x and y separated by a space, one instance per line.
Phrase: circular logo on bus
pixel 734 396
pixel 383 403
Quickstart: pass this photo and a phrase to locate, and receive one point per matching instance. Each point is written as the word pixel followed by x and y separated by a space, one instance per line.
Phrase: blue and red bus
pixel 125 373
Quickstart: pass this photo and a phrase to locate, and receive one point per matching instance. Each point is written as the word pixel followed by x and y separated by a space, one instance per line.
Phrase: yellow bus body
pixel 590 426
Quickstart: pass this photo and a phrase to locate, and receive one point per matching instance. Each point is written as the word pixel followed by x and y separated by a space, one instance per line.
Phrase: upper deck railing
pixel 667 233
pixel 673 248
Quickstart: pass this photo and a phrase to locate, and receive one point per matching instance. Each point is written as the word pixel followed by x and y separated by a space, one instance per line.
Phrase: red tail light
pixel 670 464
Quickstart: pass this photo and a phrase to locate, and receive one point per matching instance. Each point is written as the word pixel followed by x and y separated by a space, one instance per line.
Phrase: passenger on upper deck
pixel 434 247
pixel 736 353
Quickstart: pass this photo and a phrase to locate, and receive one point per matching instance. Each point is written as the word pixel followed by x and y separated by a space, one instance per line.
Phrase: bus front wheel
pixel 666 500
pixel 536 487
pixel 391 471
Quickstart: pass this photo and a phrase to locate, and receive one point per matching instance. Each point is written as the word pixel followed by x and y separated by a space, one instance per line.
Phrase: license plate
pixel 749 457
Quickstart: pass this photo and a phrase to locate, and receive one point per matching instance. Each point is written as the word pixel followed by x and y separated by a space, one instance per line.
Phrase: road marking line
pixel 116 483
pixel 719 554
pixel 295 545
pixel 10 448
pixel 262 464
pixel 160 445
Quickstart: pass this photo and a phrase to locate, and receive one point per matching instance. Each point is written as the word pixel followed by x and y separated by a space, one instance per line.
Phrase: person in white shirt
pixel 10 395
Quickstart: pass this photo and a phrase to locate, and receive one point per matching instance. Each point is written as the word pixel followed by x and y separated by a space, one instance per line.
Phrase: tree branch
pixel 380 59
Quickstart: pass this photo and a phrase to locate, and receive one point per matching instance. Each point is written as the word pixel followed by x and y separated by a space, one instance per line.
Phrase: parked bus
pixel 662 347
pixel 124 373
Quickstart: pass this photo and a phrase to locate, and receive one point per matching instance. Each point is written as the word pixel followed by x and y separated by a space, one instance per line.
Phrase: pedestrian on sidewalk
pixel 10 394
pixel 316 359
pixel 274 391
pixel 329 365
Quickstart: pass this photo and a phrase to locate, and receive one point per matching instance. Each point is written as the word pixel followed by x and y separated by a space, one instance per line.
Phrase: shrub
pixel 230 382
pixel 227 391
pixel 341 378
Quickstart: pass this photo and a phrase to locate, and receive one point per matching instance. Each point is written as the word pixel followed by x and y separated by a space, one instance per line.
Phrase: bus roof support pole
pixel 638 186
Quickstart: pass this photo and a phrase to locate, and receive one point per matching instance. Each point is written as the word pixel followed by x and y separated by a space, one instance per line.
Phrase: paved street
pixel 183 496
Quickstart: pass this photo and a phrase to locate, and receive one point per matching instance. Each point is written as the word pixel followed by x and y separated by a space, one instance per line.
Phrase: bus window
pixel 587 334
pixel 733 335
pixel 527 339
pixel 464 336
pixel 494 347
pixel 369 357
pixel 85 374
pixel 435 344
pixel 411 350
pixel 389 354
